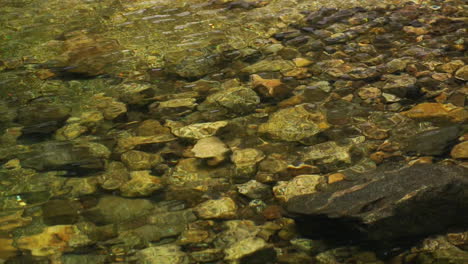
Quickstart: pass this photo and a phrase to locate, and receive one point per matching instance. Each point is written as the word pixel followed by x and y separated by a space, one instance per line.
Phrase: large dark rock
pixel 433 142
pixel 398 204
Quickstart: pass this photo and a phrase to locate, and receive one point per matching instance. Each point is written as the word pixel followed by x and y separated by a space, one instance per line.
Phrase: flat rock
pixel 388 204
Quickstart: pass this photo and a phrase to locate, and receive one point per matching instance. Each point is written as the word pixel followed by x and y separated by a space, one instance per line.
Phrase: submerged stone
pixel 295 123
pixel 224 208
pixel 114 209
pixel 390 203
pixel 437 112
pixel 462 73
pixel 199 130
pixel 165 254
pixel 299 185
pixel 139 160
pixel 269 66
pixel 66 154
pixel 240 100
pixel 47 244
pixel 42 117
pixel 433 142
pixel 141 183
pixel 460 151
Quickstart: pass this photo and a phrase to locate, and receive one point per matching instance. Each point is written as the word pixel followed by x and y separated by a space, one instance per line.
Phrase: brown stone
pixel 415 30
pixel 269 87
pixel 272 212
pixel 437 112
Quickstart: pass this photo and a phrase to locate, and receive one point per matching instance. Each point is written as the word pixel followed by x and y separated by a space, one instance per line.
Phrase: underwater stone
pixel 255 190
pixel 451 67
pixel 295 123
pixel 269 66
pixel 328 153
pixel 460 151
pixel 240 100
pixel 139 160
pixel 199 130
pixel 47 244
pixel 389 203
pixel 210 148
pixel 244 248
pixel 173 108
pixel 114 209
pixel 462 73
pixel 141 183
pixel 88 54
pixel 42 117
pixel 437 112
pixel 61 154
pixel 433 142
pixel 128 143
pixel 165 254
pixel 115 175
pixel 207 255
pixel 398 84
pixel 299 185
pixel 223 208
pixel 109 107
pixel 151 127
pixel 395 65
pixel 70 131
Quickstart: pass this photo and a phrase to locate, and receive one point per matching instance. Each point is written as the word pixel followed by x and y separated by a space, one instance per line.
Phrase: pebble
pixel 244 247
pixel 139 160
pixel 54 240
pixel 460 151
pixel 299 185
pixel 164 254
pixel 223 208
pixel 210 148
pixel 295 123
pixel 302 62
pixel 141 184
pixel 336 177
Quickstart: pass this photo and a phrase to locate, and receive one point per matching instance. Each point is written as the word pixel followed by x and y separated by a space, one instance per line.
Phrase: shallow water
pixel 163 131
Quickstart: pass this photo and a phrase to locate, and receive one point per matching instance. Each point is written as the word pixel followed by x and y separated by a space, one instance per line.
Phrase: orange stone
pixel 460 151
pixel 336 177
pixel 445 112
pixel 378 156
pixel 269 87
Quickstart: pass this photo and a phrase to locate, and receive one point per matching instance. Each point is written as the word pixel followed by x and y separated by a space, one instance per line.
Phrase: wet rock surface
pixel 282 131
pixel 391 204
